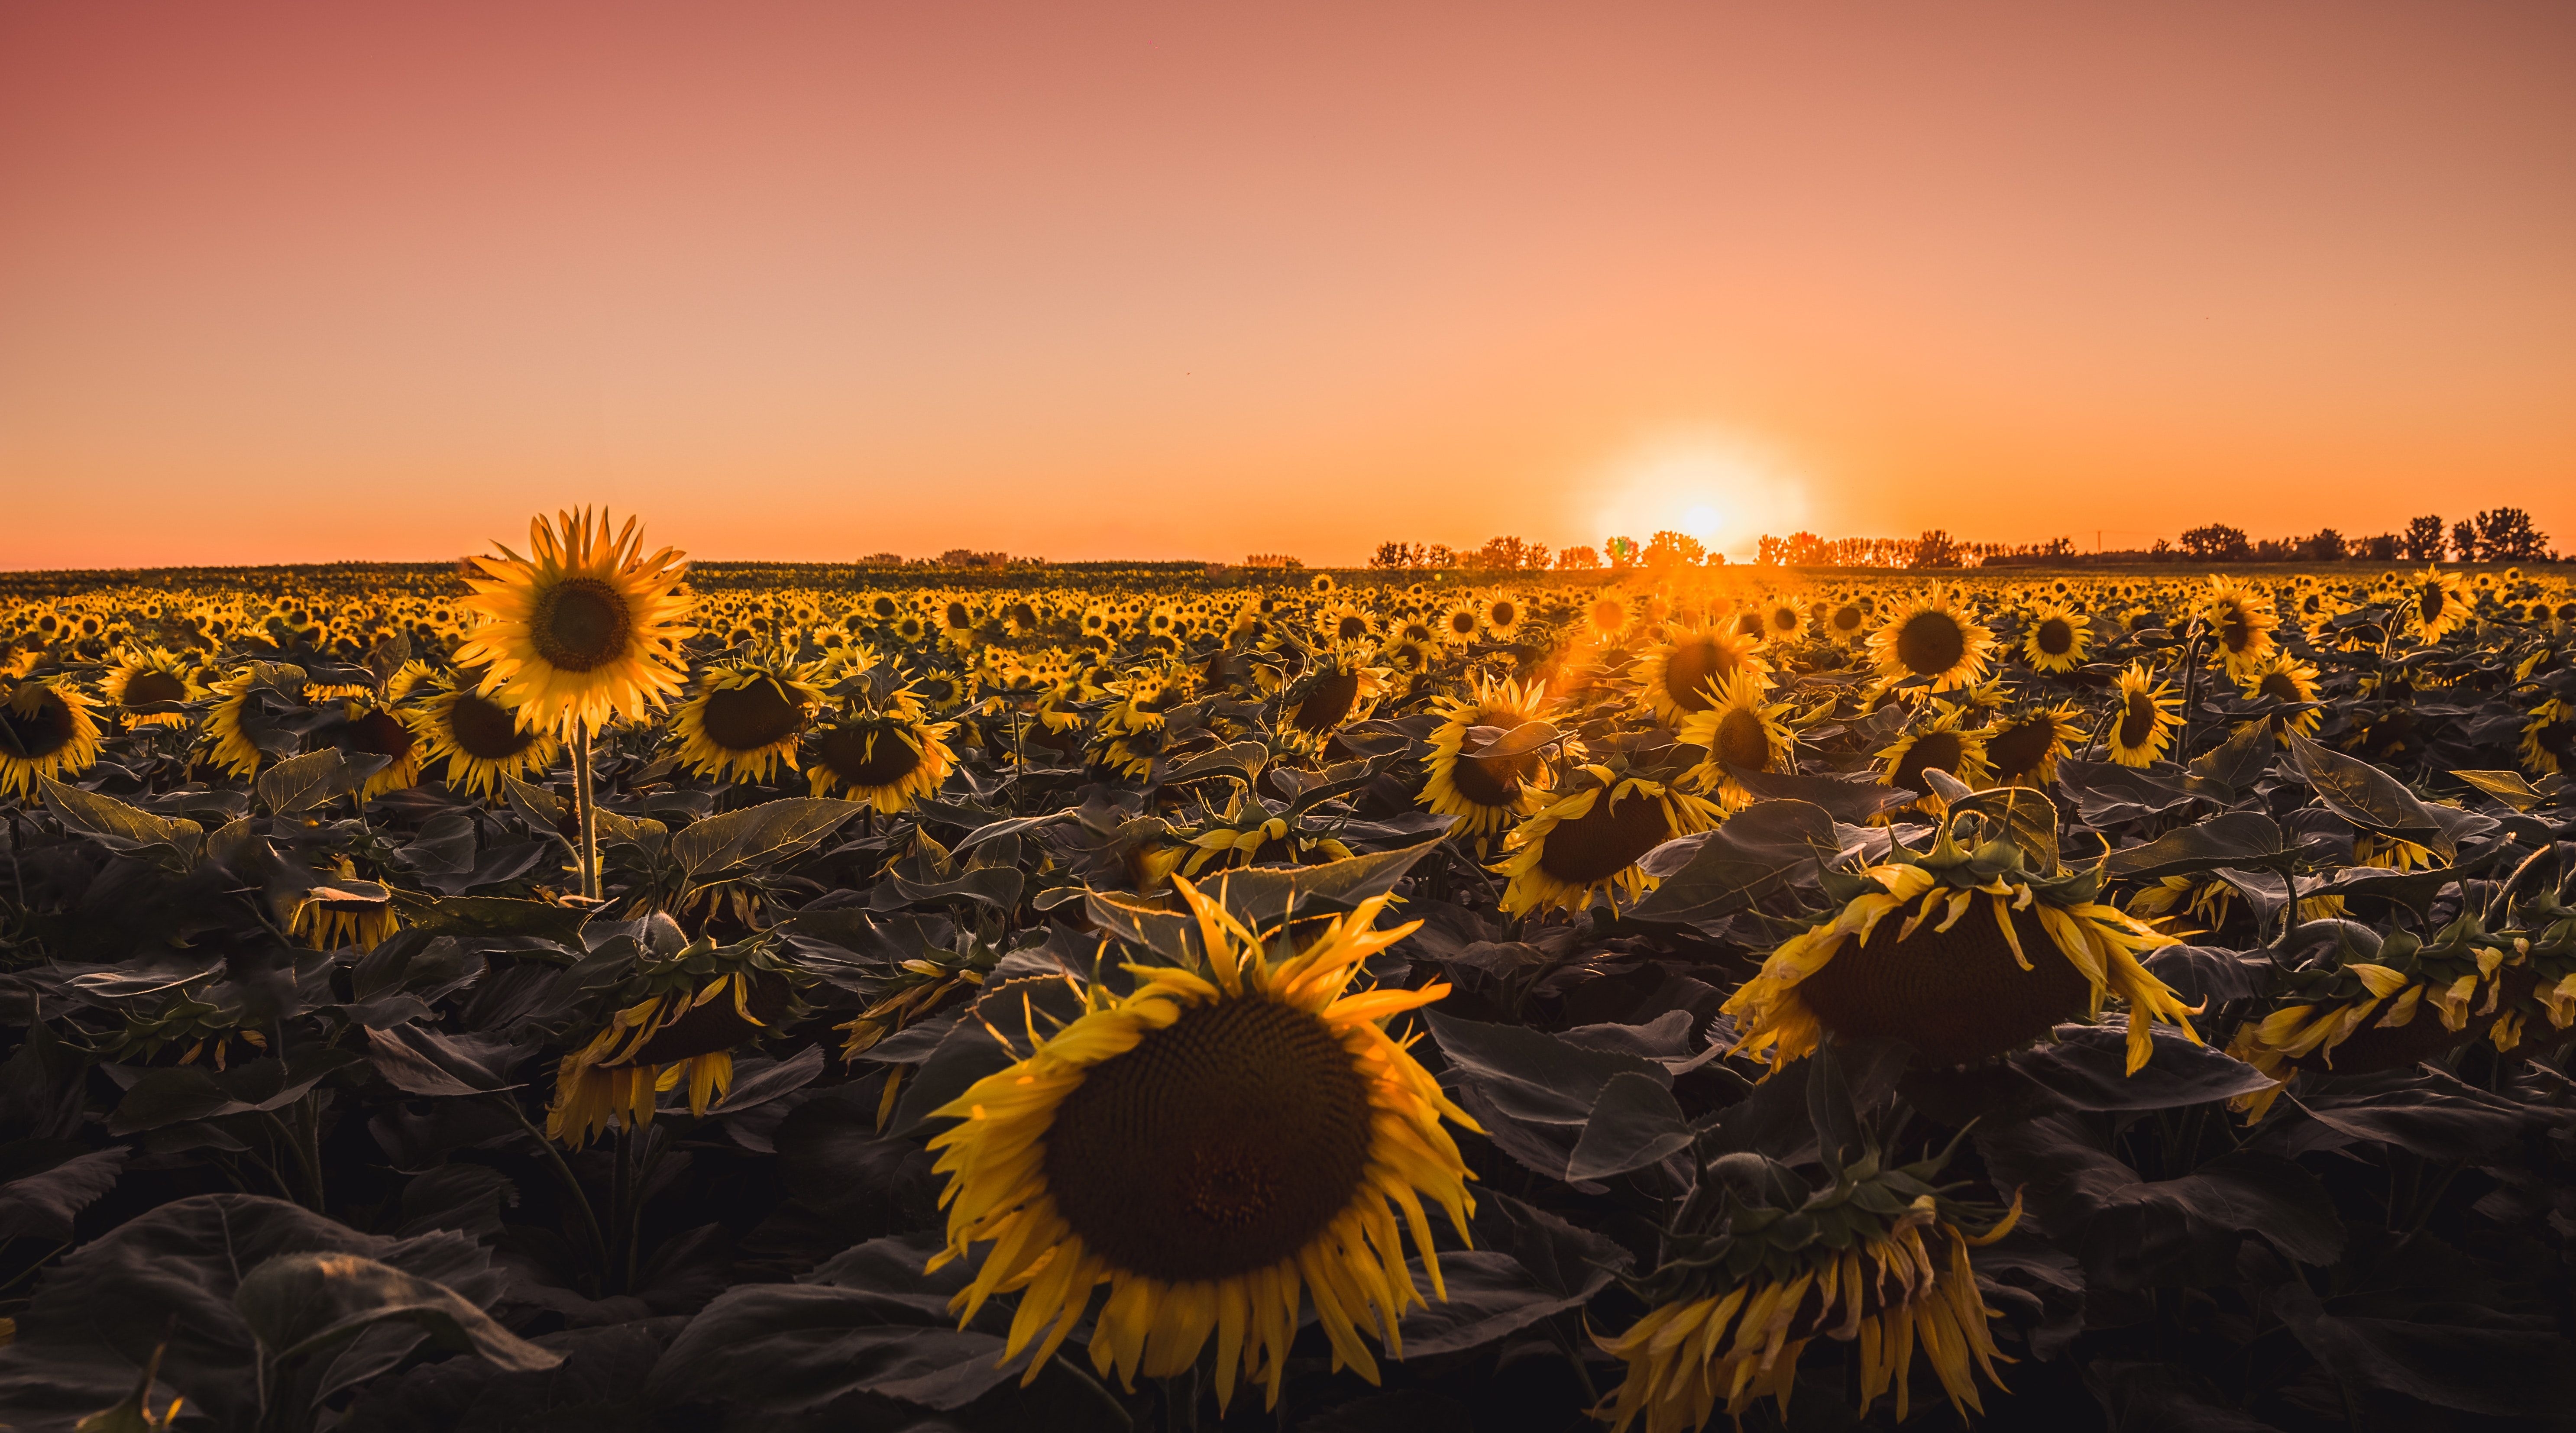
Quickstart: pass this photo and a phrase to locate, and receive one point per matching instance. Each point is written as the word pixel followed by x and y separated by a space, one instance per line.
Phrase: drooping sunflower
pixel 1741 731
pixel 1218 1147
pixel 2434 602
pixel 745 720
pixel 2323 1016
pixel 1484 793
pixel 1774 1262
pixel 1675 677
pixel 347 912
pixel 480 739
pixel 2056 640
pixel 2241 617
pixel 890 758
pixel 1991 956
pixel 2285 679
pixel 146 675
pixel 1928 638
pixel 1588 838
pixel 45 730
pixel 2549 739
pixel 2148 712
pixel 688 1010
pixel 1943 743
pixel 583 631
pixel 2023 750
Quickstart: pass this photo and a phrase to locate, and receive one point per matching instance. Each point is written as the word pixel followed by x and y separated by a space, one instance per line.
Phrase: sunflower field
pixel 579 991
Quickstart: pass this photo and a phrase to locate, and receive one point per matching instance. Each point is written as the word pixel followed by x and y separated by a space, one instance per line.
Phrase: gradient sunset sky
pixel 299 282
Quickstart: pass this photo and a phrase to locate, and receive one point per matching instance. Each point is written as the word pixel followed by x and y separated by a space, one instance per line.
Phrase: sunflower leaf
pixel 2233 838
pixel 127 830
pixel 758 836
pixel 2366 796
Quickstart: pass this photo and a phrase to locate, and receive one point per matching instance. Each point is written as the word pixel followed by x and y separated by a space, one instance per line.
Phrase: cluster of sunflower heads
pixel 1967 951
pixel 680 1018
pixel 2406 1001
pixel 1766 1260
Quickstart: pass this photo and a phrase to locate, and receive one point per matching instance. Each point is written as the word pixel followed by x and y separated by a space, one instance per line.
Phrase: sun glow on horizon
pixel 1723 488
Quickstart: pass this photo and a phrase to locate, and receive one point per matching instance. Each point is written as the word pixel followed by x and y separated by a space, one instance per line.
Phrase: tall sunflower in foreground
pixel 46 730
pixel 2241 617
pixel 1741 731
pixel 1929 639
pixel 744 720
pixel 583 631
pixel 1217 1147
pixel 1484 793
pixel 480 739
pixel 1773 1263
pixel 2145 719
pixel 1675 676
pixel 2055 641
pixel 1590 835
pixel 890 757
pixel 1964 954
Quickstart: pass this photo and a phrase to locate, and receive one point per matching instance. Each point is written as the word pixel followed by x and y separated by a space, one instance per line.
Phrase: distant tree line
pixel 2502 534
pixel 1513 554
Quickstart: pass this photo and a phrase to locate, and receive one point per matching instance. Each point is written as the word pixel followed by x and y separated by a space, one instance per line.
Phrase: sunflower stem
pixel 586 807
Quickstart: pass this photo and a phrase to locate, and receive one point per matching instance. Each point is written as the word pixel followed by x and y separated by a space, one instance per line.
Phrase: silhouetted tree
pixel 2422 541
pixel 1674 549
pixel 1577 559
pixel 2217 542
pixel 2506 535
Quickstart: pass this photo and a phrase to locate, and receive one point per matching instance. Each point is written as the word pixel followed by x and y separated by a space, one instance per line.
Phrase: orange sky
pixel 312 281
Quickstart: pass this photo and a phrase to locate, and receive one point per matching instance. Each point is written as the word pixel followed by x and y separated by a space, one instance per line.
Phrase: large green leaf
pixel 758 836
pixel 2366 796
pixel 128 830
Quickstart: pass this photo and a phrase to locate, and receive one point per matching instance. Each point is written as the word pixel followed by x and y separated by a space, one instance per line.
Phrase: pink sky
pixel 808 281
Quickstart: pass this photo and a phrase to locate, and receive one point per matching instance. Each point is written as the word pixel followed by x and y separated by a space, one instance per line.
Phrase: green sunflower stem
pixel 586 807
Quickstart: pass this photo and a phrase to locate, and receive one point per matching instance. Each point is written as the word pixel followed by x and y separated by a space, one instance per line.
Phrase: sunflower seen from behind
pixel 1221 1147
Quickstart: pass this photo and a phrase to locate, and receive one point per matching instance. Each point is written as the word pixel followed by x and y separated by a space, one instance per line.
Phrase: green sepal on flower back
pixel 678 1019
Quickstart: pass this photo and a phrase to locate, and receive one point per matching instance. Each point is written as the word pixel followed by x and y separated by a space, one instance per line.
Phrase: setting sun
pixel 1722 488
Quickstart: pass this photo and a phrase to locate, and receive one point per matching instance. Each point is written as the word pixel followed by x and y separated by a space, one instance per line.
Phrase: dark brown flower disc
pixel 1956 996
pixel 1220 1144
pixel 747 718
pixel 1327 702
pixel 1605 840
pixel 581 623
pixel 1930 643
pixel 846 750
pixel 716 1025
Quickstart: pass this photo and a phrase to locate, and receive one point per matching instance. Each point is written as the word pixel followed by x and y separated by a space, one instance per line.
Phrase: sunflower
pixel 890 759
pixel 2434 603
pixel 2147 715
pixel 229 745
pixel 1588 839
pixel 337 915
pixel 2055 641
pixel 1783 620
pixel 2241 617
pixel 1991 957
pixel 1846 622
pixel 2549 739
pixel 2289 681
pixel 2023 750
pixel 140 677
pixel 1217 1147
pixel 2361 1016
pixel 371 729
pixel 46 730
pixel 1484 793
pixel 1929 639
pixel 1338 688
pixel 1776 1263
pixel 1252 833
pixel 695 1006
pixel 745 720
pixel 1740 731
pixel 1607 617
pixel 585 631
pixel 481 739
pixel 1943 743
pixel 1676 676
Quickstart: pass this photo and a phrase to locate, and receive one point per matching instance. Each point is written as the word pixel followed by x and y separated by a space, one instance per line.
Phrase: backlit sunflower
pixel 890 759
pixel 1990 956
pixel 687 1012
pixel 2241 618
pixel 145 675
pixel 1846 621
pixel 1589 836
pixel 2055 640
pixel 2023 750
pixel 1929 639
pixel 1943 743
pixel 2148 712
pixel 1783 620
pixel 1676 677
pixel 1484 793
pixel 1742 731
pixel 1218 1147
pixel 345 912
pixel 584 631
pixel 2549 739
pixel 45 730
pixel 2434 602
pixel 2411 1001
pixel 480 739
pixel 2285 679
pixel 744 720
pixel 1774 1262
pixel 1502 616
